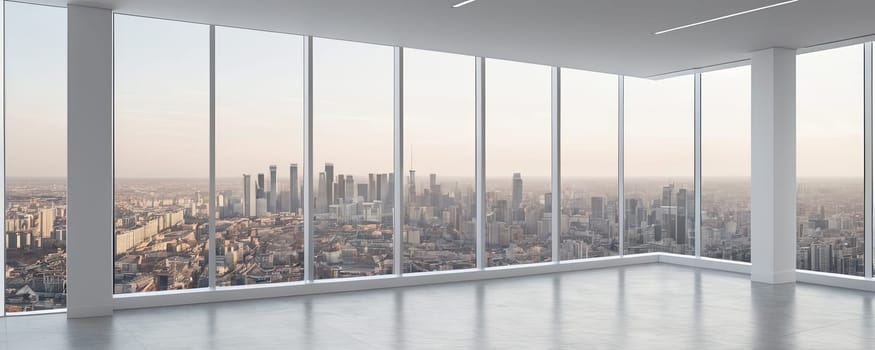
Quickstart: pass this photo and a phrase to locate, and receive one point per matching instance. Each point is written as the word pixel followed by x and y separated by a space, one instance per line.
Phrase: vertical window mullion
pixel 212 199
pixel 398 212
pixel 308 200
pixel 480 140
pixel 556 173
pixel 620 164
pixel 867 158
pixel 697 162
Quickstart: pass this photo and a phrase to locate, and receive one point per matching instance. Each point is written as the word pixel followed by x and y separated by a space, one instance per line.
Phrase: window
pixel 439 232
pixel 589 225
pixel 353 144
pixel 726 164
pixel 518 160
pixel 161 154
pixel 829 161
pixel 660 198
pixel 259 146
pixel 36 157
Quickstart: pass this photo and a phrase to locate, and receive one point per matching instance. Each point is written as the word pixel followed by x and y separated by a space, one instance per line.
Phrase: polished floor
pixel 654 306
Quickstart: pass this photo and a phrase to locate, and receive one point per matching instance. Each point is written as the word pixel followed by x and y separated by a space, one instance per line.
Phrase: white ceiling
pixel 612 36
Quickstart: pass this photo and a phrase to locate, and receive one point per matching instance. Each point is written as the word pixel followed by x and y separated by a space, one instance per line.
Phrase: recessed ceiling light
pixel 463 3
pixel 725 17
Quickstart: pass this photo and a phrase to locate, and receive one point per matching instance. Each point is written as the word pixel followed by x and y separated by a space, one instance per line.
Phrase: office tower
pixel 411 189
pixel 259 186
pixel 247 196
pixel 501 211
pixel 383 187
pixel 272 199
pixel 293 187
pixel 681 217
pixel 667 192
pixel 329 183
pixel 322 194
pixel 372 187
pixel 339 190
pixel 363 192
pixel 378 191
pixel 390 192
pixel 517 196
pixel 598 207
pixel 46 222
pixel 435 190
pixel 548 202
pixel 349 189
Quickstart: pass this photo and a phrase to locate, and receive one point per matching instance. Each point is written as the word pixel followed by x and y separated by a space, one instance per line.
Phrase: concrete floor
pixel 654 306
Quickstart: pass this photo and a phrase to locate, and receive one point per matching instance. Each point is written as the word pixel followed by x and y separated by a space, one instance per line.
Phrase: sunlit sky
pixel 162 90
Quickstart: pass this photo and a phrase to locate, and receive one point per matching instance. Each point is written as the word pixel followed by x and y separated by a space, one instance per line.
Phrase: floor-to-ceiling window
pixel 659 192
pixel 726 164
pixel 161 154
pixel 36 157
pixel 353 144
pixel 259 146
pixel 829 161
pixel 440 203
pixel 518 163
pixel 588 225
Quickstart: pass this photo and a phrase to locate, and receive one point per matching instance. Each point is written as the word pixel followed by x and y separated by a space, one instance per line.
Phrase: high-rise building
pixel 322 194
pixel 46 222
pixel 681 217
pixel 517 197
pixel 248 196
pixel 411 187
pixel 349 189
pixel 293 188
pixel 363 192
pixel 548 202
pixel 372 187
pixel 339 190
pixel 259 187
pixel 378 190
pixel 329 183
pixel 272 198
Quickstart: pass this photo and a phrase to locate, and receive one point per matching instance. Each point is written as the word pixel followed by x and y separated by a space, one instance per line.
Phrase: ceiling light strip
pixel 721 17
pixel 463 3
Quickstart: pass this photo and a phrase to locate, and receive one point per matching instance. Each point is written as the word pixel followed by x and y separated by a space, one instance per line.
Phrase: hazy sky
pixel 162 116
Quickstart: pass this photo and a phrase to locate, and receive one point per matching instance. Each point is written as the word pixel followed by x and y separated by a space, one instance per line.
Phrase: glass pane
pixel 439 122
pixel 161 154
pixel 726 164
pixel 517 163
pixel 352 144
pixel 829 161
pixel 659 166
pixel 259 130
pixel 589 221
pixel 36 157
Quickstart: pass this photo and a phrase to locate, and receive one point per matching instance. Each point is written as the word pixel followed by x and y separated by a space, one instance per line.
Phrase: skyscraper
pixel 322 194
pixel 293 187
pixel 339 190
pixel 372 187
pixel 272 198
pixel 329 183
pixel 411 190
pixel 349 189
pixel 259 187
pixel 247 195
pixel 517 196
pixel 378 191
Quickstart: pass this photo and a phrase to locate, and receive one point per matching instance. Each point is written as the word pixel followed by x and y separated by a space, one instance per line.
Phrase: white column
pixel 398 217
pixel 307 201
pixel 480 137
pixel 3 154
pixel 89 162
pixel 556 184
pixel 773 166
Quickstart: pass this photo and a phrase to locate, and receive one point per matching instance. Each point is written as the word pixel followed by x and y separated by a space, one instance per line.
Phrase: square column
pixel 89 162
pixel 773 166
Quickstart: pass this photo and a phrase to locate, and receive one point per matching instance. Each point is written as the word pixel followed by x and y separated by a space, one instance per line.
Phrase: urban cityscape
pixel 161 238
